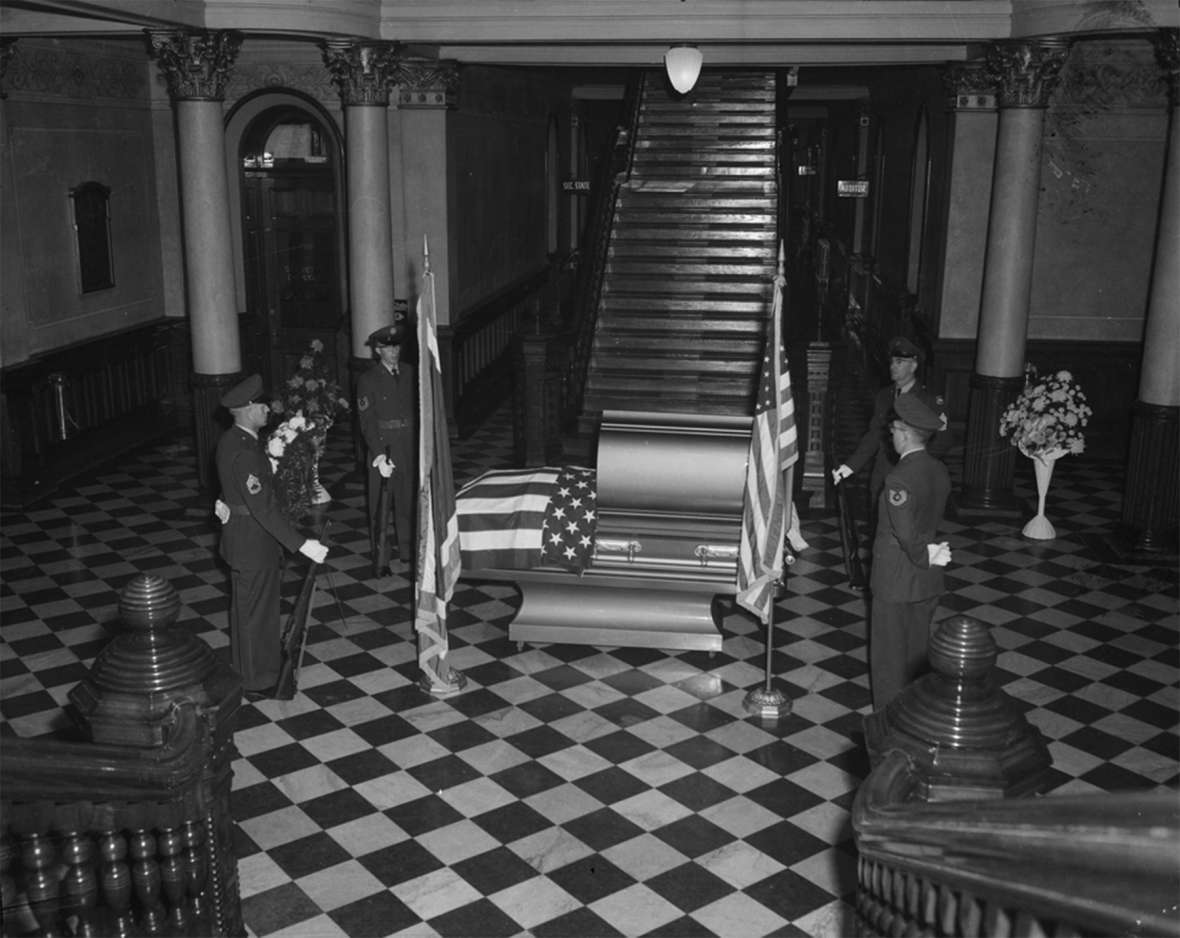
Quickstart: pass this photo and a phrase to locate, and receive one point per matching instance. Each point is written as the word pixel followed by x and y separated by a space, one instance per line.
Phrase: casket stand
pixel 669 517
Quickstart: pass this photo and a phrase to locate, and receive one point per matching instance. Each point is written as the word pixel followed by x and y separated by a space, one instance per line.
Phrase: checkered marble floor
pixel 577 790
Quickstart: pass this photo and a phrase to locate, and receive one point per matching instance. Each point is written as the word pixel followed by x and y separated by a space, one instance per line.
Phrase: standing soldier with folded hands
pixel 907 577
pixel 387 407
pixel 255 530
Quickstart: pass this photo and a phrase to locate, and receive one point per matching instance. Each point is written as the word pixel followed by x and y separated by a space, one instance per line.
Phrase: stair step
pixel 714 267
pixel 636 251
pixel 639 327
pixel 716 307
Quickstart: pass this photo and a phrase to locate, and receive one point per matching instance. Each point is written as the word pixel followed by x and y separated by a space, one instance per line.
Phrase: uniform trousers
pixel 899 640
pixel 254 627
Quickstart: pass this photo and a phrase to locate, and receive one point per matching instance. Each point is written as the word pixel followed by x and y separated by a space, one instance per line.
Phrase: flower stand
pixel 319 494
pixel 1039 528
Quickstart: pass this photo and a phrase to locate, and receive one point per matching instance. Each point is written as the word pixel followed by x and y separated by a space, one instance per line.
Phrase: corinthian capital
pixel 1025 73
pixel 427 83
pixel 968 86
pixel 1167 53
pixel 195 63
pixel 363 72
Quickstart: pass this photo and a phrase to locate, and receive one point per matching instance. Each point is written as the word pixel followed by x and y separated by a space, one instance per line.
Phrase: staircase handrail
pixel 612 175
pixel 1094 863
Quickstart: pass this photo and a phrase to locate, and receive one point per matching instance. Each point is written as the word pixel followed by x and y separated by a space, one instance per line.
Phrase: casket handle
pixel 706 552
pixel 630 547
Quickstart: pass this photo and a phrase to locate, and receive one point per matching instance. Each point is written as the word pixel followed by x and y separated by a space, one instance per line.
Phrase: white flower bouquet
pixel 311 390
pixel 293 448
pixel 1047 420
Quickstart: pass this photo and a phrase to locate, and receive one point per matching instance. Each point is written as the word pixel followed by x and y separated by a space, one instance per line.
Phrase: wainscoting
pixel 65 412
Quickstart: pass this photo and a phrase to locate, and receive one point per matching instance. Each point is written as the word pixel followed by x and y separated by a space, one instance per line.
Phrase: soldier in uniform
pixel 253 536
pixel 387 408
pixel 907 575
pixel 904 360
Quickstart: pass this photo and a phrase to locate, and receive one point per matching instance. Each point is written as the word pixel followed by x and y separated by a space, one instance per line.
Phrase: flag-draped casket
pixel 632 551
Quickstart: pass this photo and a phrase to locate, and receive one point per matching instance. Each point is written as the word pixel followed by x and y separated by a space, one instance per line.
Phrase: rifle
pixel 295 635
pixel 381 551
pixel 849 542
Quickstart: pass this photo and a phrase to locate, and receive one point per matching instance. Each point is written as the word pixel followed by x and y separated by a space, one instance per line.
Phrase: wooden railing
pixel 574 349
pixel 79 404
pixel 1102 864
pixel 130 831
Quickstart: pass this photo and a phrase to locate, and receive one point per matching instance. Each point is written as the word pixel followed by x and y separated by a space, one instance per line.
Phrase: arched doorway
pixel 293 253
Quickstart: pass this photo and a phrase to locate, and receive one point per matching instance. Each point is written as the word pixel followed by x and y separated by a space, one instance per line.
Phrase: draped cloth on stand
pixel 439 563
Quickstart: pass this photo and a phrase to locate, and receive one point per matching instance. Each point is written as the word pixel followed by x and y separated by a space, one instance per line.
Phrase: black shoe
pixel 256 695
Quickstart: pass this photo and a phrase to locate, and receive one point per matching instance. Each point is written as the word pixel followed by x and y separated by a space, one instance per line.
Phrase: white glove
pixel 384 465
pixel 221 509
pixel 840 473
pixel 939 554
pixel 313 550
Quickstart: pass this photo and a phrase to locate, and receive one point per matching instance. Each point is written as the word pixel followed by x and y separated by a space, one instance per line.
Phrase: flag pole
pixel 767 702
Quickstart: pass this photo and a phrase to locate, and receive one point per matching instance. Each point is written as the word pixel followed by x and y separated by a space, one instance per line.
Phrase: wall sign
pixel 852 188
pixel 575 185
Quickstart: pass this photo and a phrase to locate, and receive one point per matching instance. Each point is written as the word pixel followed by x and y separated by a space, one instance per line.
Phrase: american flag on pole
pixel 439 562
pixel 774 448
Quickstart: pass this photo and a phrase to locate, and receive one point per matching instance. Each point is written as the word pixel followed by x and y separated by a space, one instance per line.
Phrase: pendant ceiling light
pixel 684 65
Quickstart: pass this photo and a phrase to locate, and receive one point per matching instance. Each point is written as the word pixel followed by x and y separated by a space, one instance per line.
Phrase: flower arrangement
pixel 311 390
pixel 1047 420
pixel 293 448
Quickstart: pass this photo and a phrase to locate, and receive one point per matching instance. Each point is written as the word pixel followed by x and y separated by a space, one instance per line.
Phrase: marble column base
pixel 988 460
pixel 210 420
pixel 1152 491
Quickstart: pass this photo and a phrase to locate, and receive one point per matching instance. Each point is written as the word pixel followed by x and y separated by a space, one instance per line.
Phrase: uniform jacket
pixel 909 512
pixel 875 445
pixel 257 529
pixel 382 398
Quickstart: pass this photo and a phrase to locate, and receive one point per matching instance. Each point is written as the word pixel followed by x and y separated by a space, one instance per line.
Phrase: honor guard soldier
pixel 387 408
pixel 253 536
pixel 904 359
pixel 907 574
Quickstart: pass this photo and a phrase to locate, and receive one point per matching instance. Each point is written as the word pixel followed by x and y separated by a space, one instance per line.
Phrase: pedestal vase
pixel 1039 528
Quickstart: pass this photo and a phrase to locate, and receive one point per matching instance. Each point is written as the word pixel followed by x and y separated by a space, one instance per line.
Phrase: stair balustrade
pixel 952 840
pixel 127 829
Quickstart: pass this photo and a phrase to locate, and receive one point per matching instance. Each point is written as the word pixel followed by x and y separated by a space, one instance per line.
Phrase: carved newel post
pixel 966 737
pixel 136 695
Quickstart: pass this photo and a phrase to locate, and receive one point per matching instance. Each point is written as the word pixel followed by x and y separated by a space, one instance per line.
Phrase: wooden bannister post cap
pixel 136 679
pixel 967 738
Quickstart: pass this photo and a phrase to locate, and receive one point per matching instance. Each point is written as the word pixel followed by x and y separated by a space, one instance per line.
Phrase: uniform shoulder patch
pixel 362 402
pixel 253 484
pixel 898 497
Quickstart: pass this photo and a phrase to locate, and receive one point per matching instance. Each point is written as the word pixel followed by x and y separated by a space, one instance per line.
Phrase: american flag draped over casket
pixel 516 519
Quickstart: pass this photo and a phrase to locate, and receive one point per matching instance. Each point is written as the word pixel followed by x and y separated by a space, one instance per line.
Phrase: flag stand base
pixel 436 687
pixel 767 703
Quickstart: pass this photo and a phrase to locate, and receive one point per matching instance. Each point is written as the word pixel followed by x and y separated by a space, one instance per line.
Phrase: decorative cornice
pixel 7 47
pixel 363 72
pixel 427 83
pixel 310 79
pixel 69 71
pixel 1025 73
pixel 195 64
pixel 968 87
pixel 1167 53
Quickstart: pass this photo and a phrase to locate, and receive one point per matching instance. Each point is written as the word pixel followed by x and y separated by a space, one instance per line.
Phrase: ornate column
pixel 971 99
pixel 1150 496
pixel 196 65
pixel 364 73
pixel 427 89
pixel 1025 74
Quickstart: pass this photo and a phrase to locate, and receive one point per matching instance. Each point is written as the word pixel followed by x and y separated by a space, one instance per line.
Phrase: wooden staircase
pixel 688 283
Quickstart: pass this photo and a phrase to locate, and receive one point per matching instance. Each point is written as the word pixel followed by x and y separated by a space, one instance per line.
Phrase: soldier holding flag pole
pixel 439 563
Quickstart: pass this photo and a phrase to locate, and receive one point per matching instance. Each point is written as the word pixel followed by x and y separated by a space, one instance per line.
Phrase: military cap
pixel 394 334
pixel 247 391
pixel 911 409
pixel 901 347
